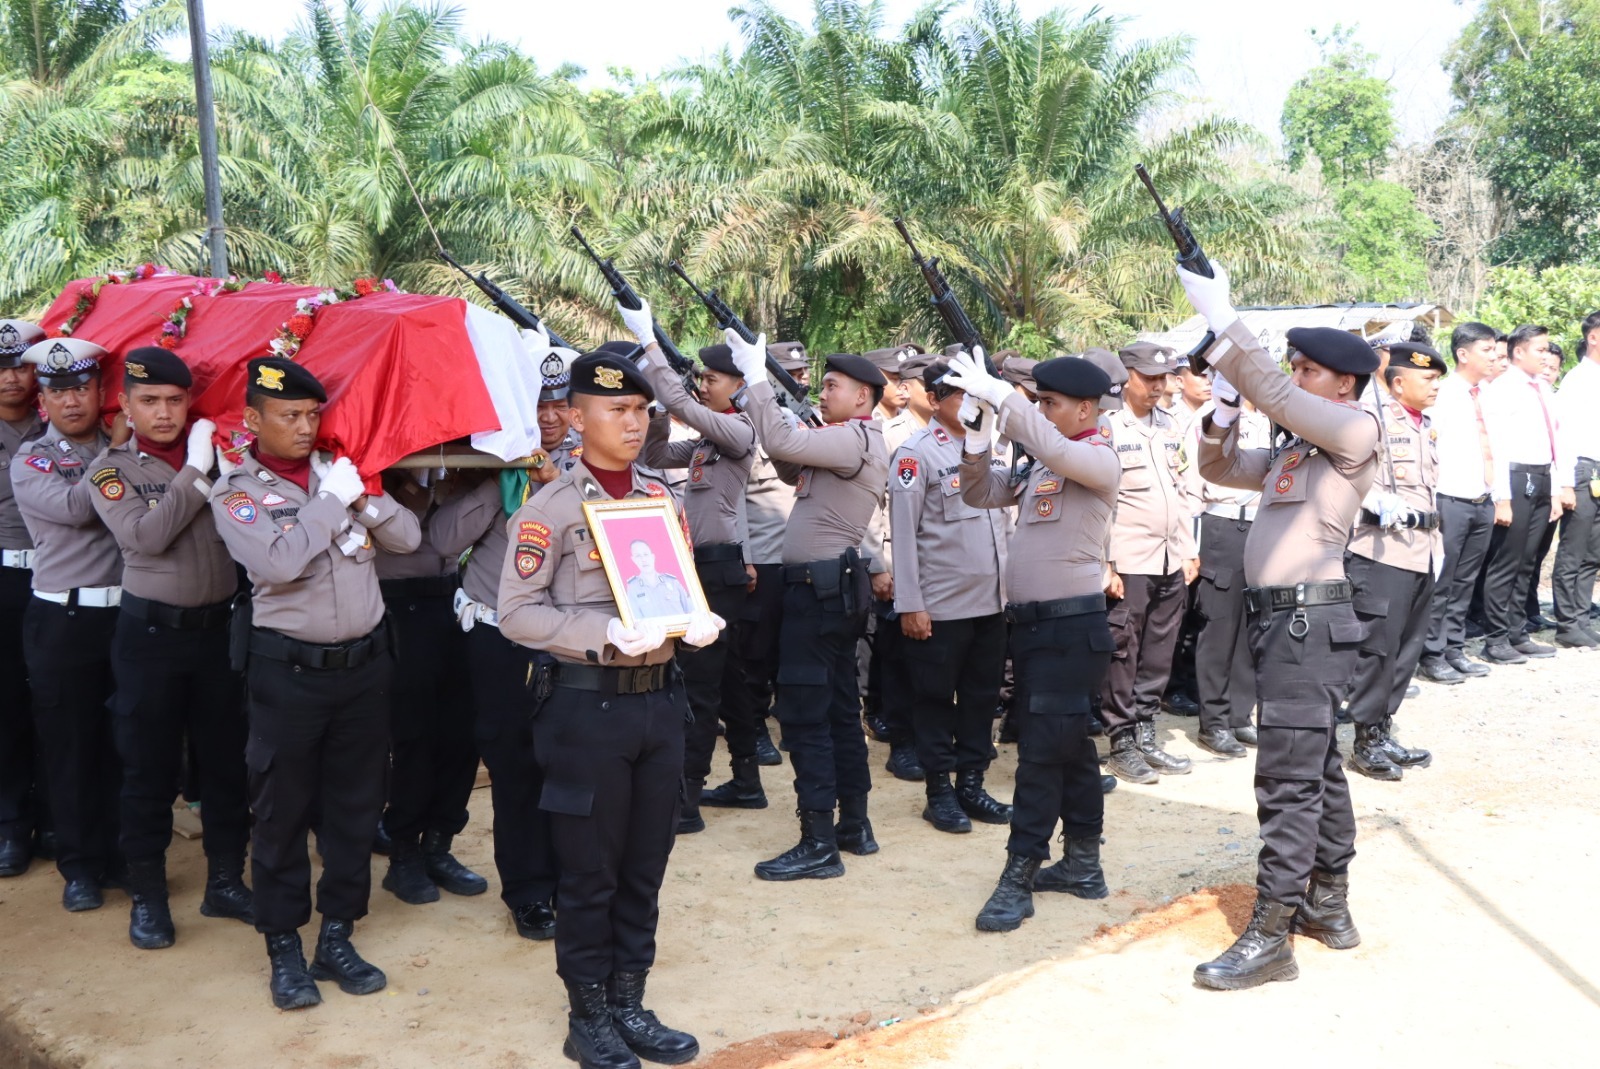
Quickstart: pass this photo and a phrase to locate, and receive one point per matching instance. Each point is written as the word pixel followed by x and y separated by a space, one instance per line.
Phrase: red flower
pixel 364 287
pixel 273 276
pixel 168 341
pixel 299 326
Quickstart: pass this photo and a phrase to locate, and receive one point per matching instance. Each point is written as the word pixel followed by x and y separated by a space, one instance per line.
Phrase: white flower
pixel 328 297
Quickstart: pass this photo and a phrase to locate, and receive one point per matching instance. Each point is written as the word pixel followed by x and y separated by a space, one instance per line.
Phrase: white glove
pixel 341 480
pixel 641 321
pixel 225 467
pixel 320 464
pixel 704 627
pixel 967 373
pixel 200 451
pixel 1210 297
pixel 749 357
pixel 1392 508
pixel 1224 400
pixel 981 440
pixel 635 641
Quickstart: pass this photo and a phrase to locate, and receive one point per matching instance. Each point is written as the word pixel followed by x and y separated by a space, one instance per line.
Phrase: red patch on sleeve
pixel 529 560
pixel 906 471
pixel 44 464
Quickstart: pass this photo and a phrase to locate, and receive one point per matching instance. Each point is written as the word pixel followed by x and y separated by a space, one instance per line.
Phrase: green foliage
pixel 1506 30
pixel 1339 111
pixel 1557 298
pixel 1385 237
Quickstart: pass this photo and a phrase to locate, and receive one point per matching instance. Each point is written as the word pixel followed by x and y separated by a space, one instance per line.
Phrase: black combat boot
pixel 592 1038
pixel 766 753
pixel 877 727
pixel 1078 872
pixel 689 819
pixel 942 810
pixel 1325 916
pixel 1261 954
pixel 978 803
pixel 291 984
pixel 15 854
pixel 380 842
pixel 407 878
pixel 443 868
pixel 1163 762
pixel 903 763
pixel 336 959
pixel 534 920
pixel 640 1028
pixel 81 894
pixel 1400 754
pixel 226 895
pixel 1367 756
pixel 1107 784
pixel 150 920
pixel 854 830
pixel 1221 742
pixel 814 857
pixel 1012 900
pixel 743 791
pixel 1127 760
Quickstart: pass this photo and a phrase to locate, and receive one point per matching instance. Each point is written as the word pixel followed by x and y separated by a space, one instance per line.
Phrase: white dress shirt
pixel 1520 412
pixel 1460 439
pixel 1578 409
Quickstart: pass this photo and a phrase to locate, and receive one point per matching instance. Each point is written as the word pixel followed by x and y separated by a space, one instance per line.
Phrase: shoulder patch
pixel 109 482
pixel 940 436
pixel 906 472
pixel 44 464
pixel 240 506
pixel 655 489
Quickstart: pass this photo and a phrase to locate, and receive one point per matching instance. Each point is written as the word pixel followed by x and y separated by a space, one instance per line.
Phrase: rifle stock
pixel 504 303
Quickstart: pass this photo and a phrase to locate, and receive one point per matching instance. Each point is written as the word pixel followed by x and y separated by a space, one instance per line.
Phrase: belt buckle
pixel 335 658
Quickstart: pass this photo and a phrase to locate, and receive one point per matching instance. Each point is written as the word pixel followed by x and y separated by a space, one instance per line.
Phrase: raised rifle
pixel 1190 257
pixel 507 305
pixel 791 394
pixel 627 298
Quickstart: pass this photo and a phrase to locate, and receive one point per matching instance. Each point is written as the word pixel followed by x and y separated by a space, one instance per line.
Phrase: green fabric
pixel 513 489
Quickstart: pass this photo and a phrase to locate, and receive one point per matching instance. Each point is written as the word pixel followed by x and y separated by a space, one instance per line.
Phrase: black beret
pixel 628 350
pixel 151 365
pixel 605 374
pixel 1414 354
pixel 857 367
pixel 1335 349
pixel 719 358
pixel 275 376
pixel 1072 376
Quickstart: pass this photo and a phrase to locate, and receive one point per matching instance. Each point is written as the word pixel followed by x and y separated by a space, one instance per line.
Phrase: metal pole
pixel 205 107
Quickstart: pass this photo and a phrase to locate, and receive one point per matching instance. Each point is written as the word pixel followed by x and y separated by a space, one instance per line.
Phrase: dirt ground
pixel 1469 878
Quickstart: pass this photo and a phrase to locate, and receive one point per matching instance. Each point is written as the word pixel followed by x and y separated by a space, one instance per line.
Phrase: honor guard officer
pixel 20 801
pixel 840 474
pixel 176 693
pixel 718 461
pixel 556 437
pixel 1060 641
pixel 68 624
pixel 947 579
pixel 1304 634
pixel 608 723
pixel 318 675
pixel 433 762
pixel 1394 555
pixel 1152 547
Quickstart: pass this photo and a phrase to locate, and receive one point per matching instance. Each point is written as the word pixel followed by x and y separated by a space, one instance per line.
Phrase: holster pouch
pixel 541 680
pixel 827 580
pixel 856 582
pixel 239 632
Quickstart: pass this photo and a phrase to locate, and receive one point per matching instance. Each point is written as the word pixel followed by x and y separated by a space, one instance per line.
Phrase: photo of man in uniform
pixel 651 592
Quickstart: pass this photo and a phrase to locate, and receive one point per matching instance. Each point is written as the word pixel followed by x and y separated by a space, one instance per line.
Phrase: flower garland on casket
pixel 91 293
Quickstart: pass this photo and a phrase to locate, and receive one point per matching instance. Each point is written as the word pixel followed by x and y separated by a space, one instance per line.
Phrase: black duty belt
pixel 422 586
pixel 1531 469
pixel 641 679
pixel 175 616
pixel 1029 612
pixel 277 646
pixel 1266 599
pixel 718 552
pixel 1417 521
pixel 1480 499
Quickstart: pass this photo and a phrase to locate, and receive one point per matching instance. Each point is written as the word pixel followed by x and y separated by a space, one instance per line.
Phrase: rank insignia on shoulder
pixel 652 489
pixel 1047 486
pixel 1291 461
pixel 241 507
pixel 906 472
pixel 109 482
pixel 44 464
pixel 940 436
pixel 1105 432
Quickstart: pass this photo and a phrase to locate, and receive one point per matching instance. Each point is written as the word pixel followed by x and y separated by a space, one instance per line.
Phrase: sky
pixel 1247 53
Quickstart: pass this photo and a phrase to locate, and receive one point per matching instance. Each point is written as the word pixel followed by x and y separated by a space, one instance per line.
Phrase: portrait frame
pixel 615 526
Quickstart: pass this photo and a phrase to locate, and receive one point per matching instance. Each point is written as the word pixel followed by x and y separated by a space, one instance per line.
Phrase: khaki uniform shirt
pixel 952 554
pixel 13 532
pixel 72 547
pixel 843 473
pixel 768 503
pixel 294 546
pixel 718 461
pixel 1152 532
pixel 427 561
pixel 1064 506
pixel 1312 487
pixel 554 595
pixel 567 452
pixel 170 546
pixel 1255 432
pixel 1415 458
pixel 475 520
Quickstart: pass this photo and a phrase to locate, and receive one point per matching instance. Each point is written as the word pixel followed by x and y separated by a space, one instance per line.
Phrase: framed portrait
pixel 647 561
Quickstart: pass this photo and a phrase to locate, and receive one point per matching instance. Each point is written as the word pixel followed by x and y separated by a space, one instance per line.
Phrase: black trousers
pixel 613 770
pixel 1145 624
pixel 524 855
pixel 1393 604
pixel 713 677
pixel 433 757
pixel 1578 555
pixel 818 703
pixel 954 684
pixel 1546 542
pixel 1467 528
pixel 1305 661
pixel 1226 677
pixel 318 749
pixel 68 652
pixel 756 643
pixel 1057 663
pixel 177 697
pixel 888 681
pixel 21 788
pixel 1506 584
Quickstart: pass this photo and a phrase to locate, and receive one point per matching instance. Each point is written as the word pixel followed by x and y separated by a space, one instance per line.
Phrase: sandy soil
pixel 1464 890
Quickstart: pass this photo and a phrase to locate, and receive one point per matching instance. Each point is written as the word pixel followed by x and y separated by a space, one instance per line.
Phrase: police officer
pixel 1060 641
pixel 1305 636
pixel 840 474
pixel 1152 545
pixel 318 674
pixel 69 621
pixel 175 688
pixel 560 442
pixel 20 802
pixel 1394 555
pixel 608 712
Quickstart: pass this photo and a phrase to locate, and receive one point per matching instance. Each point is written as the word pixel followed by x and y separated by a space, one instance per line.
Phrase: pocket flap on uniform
pixel 803 675
pixel 1348 632
pixel 1054 703
pixel 1102 641
pixel 1366 605
pixel 567 799
pixel 1289 714
pixel 258 754
pixel 1221 578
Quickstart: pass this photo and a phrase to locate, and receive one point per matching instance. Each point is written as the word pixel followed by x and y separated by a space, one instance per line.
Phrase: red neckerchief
pixel 174 453
pixel 615 483
pixel 1416 415
pixel 1086 433
pixel 296 471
